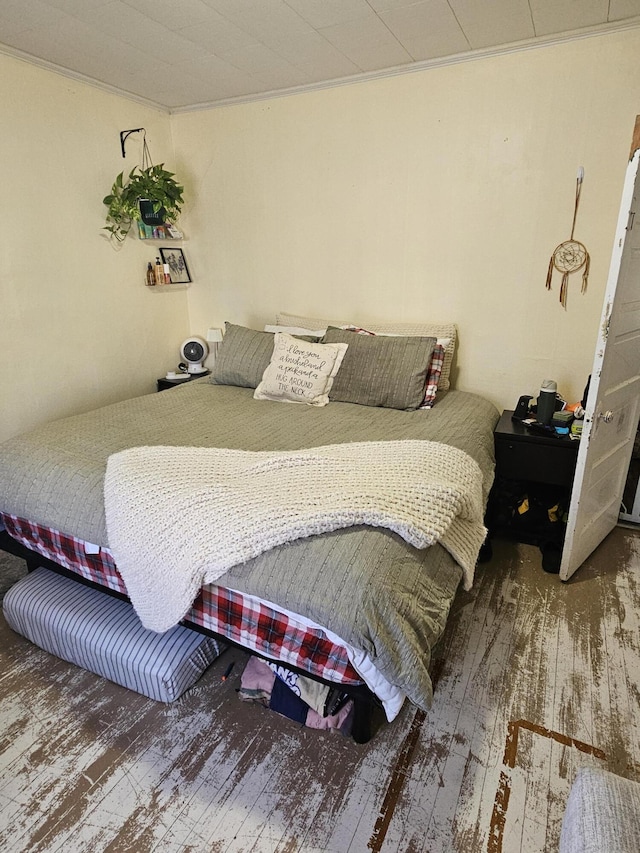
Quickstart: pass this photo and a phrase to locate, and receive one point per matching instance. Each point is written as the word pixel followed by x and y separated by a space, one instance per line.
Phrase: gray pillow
pixel 446 333
pixel 381 370
pixel 244 355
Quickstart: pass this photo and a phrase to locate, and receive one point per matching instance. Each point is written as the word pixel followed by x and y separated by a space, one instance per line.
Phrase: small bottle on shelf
pixel 167 274
pixel 159 272
pixel 151 276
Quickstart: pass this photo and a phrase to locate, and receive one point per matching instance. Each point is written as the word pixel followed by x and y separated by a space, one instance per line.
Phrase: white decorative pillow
pixel 296 330
pixel 435 330
pixel 309 322
pixel 300 371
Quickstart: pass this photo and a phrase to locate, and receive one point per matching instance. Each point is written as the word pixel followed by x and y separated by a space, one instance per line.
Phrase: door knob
pixel 607 417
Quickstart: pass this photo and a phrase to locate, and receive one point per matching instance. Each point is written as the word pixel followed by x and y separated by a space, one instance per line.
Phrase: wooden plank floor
pixel 535 678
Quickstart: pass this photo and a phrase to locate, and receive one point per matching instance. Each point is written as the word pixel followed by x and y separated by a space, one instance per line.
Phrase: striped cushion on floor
pixel 104 635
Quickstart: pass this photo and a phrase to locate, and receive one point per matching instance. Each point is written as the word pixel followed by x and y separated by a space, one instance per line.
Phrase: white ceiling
pixel 185 54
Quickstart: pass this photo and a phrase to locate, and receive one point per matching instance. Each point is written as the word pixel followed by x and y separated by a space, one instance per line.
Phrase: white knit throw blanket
pixel 179 517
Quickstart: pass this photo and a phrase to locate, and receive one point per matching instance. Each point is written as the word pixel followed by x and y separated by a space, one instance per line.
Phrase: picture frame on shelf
pixel 178 269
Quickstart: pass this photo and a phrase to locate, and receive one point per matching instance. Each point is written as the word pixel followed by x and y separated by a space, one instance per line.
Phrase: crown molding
pixel 365 77
pixel 420 65
pixel 13 52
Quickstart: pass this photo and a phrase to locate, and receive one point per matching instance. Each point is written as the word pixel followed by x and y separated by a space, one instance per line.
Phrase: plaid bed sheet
pixel 242 619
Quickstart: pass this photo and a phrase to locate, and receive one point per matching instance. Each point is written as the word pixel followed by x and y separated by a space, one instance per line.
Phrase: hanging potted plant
pixel 152 185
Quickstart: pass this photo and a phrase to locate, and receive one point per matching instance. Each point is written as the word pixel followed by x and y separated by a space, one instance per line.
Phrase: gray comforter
pixel 366 584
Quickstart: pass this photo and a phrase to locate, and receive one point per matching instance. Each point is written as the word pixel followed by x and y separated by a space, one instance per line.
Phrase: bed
pixel 351 603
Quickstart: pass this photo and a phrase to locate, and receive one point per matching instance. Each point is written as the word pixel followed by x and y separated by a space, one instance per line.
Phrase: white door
pixel 613 403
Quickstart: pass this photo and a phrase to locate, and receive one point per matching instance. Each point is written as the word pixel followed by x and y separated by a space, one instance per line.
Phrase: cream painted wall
pixel 439 194
pixel 78 327
pixel 436 195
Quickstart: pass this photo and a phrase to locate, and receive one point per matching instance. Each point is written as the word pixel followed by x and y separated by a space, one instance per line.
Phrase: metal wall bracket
pixel 125 134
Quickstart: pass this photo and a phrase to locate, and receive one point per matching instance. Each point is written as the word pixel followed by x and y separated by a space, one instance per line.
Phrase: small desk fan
pixel 194 351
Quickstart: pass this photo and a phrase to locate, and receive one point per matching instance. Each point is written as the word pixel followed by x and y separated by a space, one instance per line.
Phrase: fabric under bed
pixel 366 585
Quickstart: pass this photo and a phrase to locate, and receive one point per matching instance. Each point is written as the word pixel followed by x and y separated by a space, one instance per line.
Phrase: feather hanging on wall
pixel 572 255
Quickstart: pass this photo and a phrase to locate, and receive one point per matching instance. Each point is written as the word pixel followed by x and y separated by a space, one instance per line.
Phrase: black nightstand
pixel 523 455
pixel 164 383
pixel 534 473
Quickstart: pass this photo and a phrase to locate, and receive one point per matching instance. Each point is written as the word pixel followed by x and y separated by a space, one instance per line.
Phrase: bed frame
pixel 68 459
pixel 365 704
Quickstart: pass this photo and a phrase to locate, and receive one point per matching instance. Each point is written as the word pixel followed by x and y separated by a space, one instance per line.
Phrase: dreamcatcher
pixel 571 255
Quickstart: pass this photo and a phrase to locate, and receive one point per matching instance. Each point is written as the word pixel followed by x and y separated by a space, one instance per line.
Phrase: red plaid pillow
pixel 433 376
